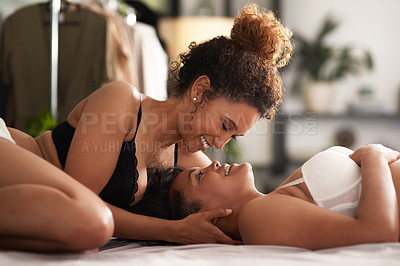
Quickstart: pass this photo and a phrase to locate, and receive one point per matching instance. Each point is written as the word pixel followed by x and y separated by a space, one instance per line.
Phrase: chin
pixel 247 170
pixel 248 167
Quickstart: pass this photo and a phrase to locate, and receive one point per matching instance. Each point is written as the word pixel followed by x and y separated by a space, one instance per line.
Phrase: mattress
pixel 118 252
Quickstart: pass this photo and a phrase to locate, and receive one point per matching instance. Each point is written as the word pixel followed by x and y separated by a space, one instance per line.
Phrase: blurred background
pixel 342 86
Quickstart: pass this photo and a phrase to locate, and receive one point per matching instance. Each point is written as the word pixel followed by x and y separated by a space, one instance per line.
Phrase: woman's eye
pixel 224 127
pixel 199 175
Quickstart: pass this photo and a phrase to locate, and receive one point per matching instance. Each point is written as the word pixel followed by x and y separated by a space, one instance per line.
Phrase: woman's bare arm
pixel 194 229
pixel 279 219
pixel 378 204
pixel 105 121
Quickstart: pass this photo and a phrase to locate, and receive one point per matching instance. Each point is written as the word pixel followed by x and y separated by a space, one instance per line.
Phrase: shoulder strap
pixel 176 155
pixel 139 117
pixel 293 183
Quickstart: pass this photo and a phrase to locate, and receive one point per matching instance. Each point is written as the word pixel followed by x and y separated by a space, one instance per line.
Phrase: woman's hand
pixel 376 151
pixel 378 211
pixel 199 228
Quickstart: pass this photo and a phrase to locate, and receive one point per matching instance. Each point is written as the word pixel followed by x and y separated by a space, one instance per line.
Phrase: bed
pixel 119 252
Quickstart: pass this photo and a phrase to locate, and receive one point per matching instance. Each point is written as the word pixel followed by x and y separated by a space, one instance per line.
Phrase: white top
pixel 333 179
pixel 4 133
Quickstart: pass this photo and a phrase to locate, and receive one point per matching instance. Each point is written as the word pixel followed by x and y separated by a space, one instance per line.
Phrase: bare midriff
pixel 49 151
pixel 43 146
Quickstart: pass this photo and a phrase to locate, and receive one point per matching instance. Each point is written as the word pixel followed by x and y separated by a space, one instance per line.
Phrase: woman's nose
pixel 214 165
pixel 219 142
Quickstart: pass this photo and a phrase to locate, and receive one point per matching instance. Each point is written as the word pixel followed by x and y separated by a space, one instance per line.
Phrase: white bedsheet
pixel 134 254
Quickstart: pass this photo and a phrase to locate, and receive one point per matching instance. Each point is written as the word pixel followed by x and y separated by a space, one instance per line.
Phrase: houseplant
pixel 41 123
pixel 321 64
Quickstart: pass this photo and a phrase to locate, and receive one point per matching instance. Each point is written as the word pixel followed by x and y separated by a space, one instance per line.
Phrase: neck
pixel 161 120
pixel 230 224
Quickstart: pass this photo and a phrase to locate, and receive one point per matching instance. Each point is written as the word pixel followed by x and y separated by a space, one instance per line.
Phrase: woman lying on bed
pixel 321 205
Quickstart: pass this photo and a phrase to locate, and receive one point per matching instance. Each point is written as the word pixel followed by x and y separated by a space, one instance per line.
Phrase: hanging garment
pixel 25 60
pixel 118 54
pixel 148 16
pixel 149 61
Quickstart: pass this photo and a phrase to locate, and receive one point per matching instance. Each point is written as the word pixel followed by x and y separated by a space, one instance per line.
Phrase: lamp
pixel 179 32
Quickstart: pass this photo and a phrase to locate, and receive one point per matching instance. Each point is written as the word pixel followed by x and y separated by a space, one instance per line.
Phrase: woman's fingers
pixel 224 239
pixel 217 213
pixel 202 228
pixel 212 216
pixel 389 154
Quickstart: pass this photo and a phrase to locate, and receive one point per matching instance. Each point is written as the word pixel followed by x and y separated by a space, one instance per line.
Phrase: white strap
pixel 4 133
pixel 293 183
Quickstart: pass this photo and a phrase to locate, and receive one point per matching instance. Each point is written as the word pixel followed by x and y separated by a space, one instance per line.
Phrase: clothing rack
pixel 55 12
pixel 130 15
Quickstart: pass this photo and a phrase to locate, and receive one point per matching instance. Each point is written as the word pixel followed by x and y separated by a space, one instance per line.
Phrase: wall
pixel 366 24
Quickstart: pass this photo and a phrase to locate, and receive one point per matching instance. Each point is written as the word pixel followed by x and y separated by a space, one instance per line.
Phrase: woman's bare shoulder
pixel 264 220
pixel 113 97
pixel 118 90
pixel 259 208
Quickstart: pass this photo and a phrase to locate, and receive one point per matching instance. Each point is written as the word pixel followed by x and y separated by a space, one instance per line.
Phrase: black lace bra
pixel 122 186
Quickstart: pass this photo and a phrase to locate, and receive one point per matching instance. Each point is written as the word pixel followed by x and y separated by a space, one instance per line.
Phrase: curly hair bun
pixel 260 31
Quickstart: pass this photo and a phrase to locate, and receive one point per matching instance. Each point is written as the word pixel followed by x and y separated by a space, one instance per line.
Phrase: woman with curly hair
pixel 218 90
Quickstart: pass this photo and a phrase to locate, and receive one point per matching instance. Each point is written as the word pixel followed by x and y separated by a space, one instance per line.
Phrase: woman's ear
pixel 200 85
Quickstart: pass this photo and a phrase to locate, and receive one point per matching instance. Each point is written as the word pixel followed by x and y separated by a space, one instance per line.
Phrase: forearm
pixel 133 226
pixel 194 229
pixel 378 207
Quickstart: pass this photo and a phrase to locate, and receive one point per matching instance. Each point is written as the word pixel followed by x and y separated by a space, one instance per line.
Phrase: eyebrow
pixel 232 122
pixel 190 172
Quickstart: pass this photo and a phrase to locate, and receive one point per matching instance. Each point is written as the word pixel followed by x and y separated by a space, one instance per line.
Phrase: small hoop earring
pixel 194 99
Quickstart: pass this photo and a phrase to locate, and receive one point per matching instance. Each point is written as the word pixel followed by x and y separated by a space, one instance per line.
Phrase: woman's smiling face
pixel 216 185
pixel 215 123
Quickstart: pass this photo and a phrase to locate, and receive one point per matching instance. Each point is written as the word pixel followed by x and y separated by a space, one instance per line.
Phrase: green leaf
pixel 43 122
pixel 323 62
